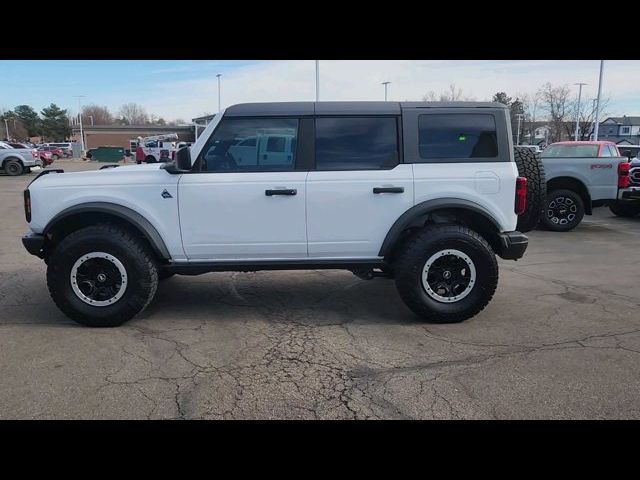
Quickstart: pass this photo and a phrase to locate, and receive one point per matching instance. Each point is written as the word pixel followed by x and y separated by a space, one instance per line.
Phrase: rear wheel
pixel 530 166
pixel 55 157
pixel 564 210
pixel 622 210
pixel 150 159
pixel 446 273
pixel 101 276
pixel 13 167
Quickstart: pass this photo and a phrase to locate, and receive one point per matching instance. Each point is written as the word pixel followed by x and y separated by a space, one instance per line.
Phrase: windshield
pixel 570 151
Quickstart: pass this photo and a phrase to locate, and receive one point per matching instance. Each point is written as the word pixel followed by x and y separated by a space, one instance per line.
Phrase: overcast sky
pixel 186 89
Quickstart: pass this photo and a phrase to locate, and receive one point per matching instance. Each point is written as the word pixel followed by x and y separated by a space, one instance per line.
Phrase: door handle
pixel 388 189
pixel 283 191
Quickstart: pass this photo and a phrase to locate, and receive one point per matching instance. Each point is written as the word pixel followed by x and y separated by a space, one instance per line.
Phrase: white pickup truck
pixel 581 176
pixel 16 161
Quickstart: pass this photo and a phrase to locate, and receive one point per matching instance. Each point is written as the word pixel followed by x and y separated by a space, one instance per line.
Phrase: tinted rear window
pixel 553 151
pixel 457 136
pixel 356 143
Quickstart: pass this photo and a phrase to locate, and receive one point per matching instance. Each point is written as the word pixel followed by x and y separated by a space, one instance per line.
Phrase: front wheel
pixel 446 273
pixel 622 210
pixel 13 167
pixel 564 210
pixel 101 276
pixel 150 159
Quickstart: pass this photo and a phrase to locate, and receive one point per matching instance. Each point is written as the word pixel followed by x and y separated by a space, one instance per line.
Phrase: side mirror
pixel 182 163
pixel 183 159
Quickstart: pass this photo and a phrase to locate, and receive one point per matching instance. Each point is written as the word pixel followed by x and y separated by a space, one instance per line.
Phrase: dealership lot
pixel 561 339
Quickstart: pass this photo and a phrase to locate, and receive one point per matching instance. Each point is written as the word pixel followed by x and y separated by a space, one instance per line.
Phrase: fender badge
pixel 166 194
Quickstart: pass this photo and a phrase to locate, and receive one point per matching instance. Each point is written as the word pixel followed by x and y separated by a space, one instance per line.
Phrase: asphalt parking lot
pixel 561 339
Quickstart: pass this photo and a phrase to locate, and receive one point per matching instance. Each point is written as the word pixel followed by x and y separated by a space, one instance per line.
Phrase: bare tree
pixel 556 102
pixel 454 94
pixel 585 117
pixel 100 114
pixel 531 108
pixel 133 114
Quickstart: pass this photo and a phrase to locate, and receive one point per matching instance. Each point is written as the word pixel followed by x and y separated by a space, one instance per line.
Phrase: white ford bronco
pixel 424 193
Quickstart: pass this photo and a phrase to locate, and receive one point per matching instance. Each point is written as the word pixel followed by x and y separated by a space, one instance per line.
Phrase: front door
pixel 237 205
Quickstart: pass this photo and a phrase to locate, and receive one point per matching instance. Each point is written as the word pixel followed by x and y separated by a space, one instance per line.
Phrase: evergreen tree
pixel 55 123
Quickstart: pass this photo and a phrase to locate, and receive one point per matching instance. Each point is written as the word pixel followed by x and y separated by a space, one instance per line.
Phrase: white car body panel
pixel 490 185
pixel 228 216
pixel 345 219
pixel 136 187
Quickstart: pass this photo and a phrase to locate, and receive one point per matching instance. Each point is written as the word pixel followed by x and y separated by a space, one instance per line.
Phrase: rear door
pixel 359 186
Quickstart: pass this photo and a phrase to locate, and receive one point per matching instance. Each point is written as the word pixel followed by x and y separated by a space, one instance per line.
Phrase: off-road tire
pixel 556 227
pixel 530 166
pixel 134 254
pixel 413 256
pixel 13 167
pixel 622 210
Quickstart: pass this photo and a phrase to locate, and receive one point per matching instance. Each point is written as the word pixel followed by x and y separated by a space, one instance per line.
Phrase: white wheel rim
pixel 78 281
pixel 456 293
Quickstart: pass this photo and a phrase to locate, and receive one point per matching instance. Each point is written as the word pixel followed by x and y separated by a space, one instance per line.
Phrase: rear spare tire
pixel 530 166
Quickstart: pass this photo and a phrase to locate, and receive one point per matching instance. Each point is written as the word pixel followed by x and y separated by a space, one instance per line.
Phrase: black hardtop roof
pixel 344 108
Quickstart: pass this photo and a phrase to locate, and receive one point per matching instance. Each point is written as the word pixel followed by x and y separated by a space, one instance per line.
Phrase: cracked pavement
pixel 561 339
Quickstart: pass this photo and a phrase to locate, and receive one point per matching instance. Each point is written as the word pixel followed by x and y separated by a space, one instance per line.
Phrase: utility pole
pixel 6 126
pixel 595 128
pixel 91 117
pixel 80 119
pixel 317 80
pixel 578 110
pixel 219 75
pixel 386 84
pixel 519 115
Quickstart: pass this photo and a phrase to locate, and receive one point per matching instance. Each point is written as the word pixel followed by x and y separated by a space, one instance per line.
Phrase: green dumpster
pixel 108 154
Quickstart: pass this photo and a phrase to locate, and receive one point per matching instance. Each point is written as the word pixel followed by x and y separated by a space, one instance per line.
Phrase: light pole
pixel 593 122
pixel 6 126
pixel 595 128
pixel 91 117
pixel 386 84
pixel 80 119
pixel 219 75
pixel 578 109
pixel 519 115
pixel 317 80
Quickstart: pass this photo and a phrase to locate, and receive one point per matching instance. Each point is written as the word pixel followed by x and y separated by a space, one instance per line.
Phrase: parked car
pixel 425 196
pixel 534 148
pixel 46 157
pixel 66 147
pixel 580 177
pixel 629 151
pixel 16 161
pixel 56 152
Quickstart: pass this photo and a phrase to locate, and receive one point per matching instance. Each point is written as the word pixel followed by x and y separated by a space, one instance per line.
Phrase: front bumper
pixel 631 194
pixel 33 242
pixel 513 245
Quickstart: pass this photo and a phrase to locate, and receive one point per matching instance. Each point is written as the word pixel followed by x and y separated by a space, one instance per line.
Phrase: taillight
pixel 34 153
pixel 521 195
pixel 173 155
pixel 623 174
pixel 27 205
